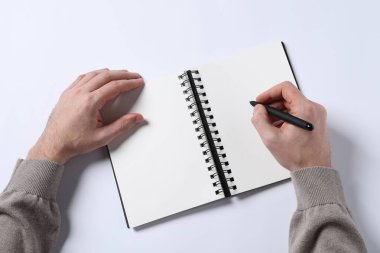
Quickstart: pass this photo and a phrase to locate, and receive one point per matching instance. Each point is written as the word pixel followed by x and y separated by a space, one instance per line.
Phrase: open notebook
pixel 198 144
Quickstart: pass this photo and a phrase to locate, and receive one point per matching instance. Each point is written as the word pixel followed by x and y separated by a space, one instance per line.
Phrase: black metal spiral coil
pixel 196 97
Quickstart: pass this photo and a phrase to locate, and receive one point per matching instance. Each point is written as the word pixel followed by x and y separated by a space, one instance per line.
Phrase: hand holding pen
pixel 281 116
pixel 285 116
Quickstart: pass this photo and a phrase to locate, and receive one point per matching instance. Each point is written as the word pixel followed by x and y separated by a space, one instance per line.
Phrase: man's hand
pixel 75 125
pixel 293 147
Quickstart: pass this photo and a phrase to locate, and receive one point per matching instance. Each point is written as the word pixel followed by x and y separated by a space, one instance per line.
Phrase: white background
pixel 334 49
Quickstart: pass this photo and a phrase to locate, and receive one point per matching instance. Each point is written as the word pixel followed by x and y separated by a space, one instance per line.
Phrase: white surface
pixel 334 49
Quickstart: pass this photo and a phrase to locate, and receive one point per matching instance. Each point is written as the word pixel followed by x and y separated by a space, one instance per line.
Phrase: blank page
pixel 160 168
pixel 230 85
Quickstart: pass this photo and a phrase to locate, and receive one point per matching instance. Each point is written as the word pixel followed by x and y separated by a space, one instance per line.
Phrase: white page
pixel 160 168
pixel 230 85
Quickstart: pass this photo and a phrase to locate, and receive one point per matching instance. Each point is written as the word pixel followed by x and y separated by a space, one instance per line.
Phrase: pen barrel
pixel 289 118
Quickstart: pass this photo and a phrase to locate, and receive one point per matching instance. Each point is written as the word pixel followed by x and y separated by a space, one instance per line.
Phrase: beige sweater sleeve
pixel 29 214
pixel 322 222
pixel 30 219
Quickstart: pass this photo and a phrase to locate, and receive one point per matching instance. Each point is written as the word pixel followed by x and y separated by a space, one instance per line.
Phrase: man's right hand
pixel 293 147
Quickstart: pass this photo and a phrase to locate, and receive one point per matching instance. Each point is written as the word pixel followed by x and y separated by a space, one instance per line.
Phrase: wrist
pixel 47 152
pixel 322 163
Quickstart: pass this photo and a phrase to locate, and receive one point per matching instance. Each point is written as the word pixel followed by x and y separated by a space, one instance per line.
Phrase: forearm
pixel 322 222
pixel 29 214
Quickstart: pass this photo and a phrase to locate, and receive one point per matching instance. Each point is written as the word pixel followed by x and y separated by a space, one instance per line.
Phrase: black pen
pixel 285 116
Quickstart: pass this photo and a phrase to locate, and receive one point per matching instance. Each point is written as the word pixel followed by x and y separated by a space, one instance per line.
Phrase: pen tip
pixel 253 103
pixel 309 127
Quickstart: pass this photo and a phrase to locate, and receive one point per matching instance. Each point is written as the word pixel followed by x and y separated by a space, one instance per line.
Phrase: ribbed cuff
pixel 38 177
pixel 317 186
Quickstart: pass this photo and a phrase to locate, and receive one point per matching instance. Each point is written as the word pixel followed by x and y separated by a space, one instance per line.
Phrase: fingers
pixel 280 105
pixel 105 77
pixel 114 88
pixel 88 76
pixel 86 79
pixel 263 125
pixel 278 123
pixel 118 127
pixel 283 91
pixel 76 81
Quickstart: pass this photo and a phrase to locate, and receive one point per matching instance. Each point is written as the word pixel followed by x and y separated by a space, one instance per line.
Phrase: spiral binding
pixel 210 142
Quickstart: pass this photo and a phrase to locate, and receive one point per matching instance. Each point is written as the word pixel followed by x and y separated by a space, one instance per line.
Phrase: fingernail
pixel 139 118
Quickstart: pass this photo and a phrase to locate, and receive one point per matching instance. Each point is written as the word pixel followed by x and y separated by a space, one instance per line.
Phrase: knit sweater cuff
pixel 38 177
pixel 317 186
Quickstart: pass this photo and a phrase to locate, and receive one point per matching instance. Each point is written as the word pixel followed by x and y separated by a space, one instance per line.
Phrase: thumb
pixel 263 125
pixel 119 126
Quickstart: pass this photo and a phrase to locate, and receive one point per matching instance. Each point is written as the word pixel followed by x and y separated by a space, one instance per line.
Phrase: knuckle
pixel 116 84
pixel 69 93
pixel 309 108
pixel 287 83
pixel 105 76
pixel 315 110
pixel 88 100
pixel 101 139
pixel 76 91
pixel 101 71
pixel 87 74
